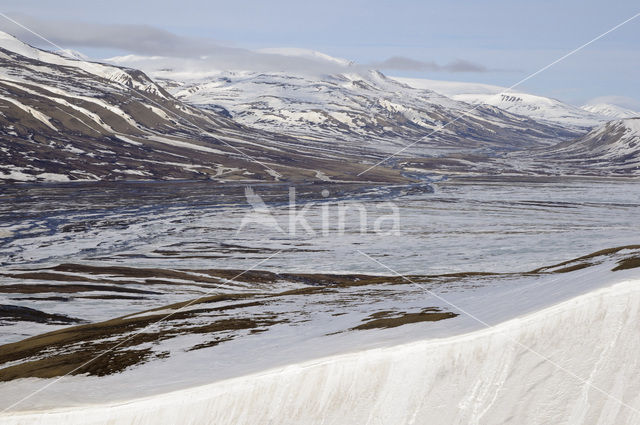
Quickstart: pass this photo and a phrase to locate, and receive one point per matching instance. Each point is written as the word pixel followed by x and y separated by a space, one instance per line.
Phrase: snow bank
pixel 530 370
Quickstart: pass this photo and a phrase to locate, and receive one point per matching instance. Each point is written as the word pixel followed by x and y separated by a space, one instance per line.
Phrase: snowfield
pixel 578 359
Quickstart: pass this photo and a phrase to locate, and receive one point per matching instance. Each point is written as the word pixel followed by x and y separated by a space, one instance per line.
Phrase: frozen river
pixel 462 226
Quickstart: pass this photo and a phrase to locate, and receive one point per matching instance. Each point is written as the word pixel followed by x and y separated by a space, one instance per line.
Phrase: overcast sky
pixel 491 41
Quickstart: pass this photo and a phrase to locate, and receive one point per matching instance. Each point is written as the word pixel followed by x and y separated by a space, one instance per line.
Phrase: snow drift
pixel 573 363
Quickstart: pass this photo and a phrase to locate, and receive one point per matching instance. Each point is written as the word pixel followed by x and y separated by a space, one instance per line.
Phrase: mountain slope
pixel 356 108
pixel 611 111
pixel 65 119
pixel 613 147
pixel 540 108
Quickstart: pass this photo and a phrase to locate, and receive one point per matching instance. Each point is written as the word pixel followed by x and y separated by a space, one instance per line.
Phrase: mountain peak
pixel 610 110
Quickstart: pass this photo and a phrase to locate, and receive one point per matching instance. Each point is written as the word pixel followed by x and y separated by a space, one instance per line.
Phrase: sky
pixel 489 41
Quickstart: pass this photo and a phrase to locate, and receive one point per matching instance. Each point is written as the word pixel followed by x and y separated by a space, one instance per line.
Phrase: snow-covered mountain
pixel 357 108
pixel 68 119
pixel 614 146
pixel 611 111
pixel 539 108
pixel 64 118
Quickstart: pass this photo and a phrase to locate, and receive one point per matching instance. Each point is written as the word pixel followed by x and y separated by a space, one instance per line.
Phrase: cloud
pixel 147 40
pixel 462 65
pixel 401 63
pixel 139 39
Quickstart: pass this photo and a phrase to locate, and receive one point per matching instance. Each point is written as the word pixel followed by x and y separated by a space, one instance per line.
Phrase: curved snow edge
pixel 470 376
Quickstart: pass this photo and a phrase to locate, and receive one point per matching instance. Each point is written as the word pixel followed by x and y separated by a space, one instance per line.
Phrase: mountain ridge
pixel 64 119
pixel 67 119
pixel 537 107
pixel 358 108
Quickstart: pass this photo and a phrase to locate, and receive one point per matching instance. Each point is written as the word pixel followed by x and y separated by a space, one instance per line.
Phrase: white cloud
pixel 402 63
pixel 146 40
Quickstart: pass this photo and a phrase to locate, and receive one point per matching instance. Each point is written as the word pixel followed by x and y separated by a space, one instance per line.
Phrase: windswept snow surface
pixel 574 362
